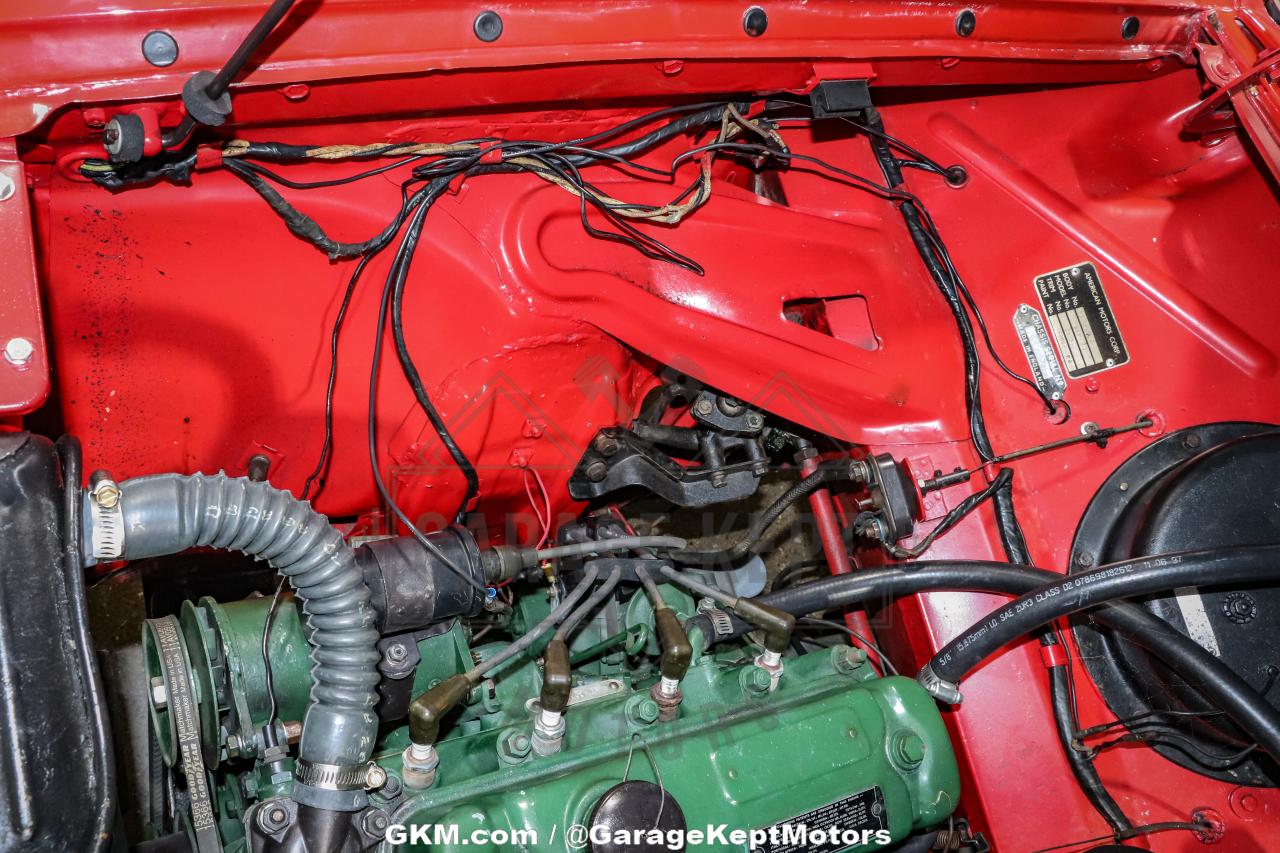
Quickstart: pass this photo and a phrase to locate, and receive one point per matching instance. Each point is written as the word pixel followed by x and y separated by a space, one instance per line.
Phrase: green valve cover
pixel 832 744
pixel 832 747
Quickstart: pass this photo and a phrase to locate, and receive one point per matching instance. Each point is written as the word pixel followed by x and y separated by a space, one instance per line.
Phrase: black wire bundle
pixel 558 160
pixel 555 161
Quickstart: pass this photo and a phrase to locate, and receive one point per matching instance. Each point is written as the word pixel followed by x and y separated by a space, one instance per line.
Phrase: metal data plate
pixel 1082 321
pixel 1045 369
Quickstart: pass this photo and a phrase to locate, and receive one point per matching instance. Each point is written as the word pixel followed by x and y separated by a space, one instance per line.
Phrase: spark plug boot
pixel 557 682
pixel 677 654
pixel 425 714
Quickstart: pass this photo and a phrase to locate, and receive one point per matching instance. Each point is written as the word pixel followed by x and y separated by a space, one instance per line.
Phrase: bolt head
pixel 392 788
pixel 642 711
pixel 704 407
pixel 397 653
pixel 514 747
pixel 910 749
pixel 847 660
pixel 756 681
pixel 597 471
pixel 376 822
pixel 18 351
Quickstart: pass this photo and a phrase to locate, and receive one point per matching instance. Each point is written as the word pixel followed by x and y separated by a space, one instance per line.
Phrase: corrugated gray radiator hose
pixel 170 513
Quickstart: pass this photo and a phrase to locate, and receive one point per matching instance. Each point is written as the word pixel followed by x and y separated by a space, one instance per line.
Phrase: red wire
pixel 544 520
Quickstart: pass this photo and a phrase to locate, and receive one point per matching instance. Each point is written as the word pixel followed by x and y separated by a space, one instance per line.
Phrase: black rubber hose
pixel 1081 766
pixel 1070 594
pixel 725 559
pixel 1219 684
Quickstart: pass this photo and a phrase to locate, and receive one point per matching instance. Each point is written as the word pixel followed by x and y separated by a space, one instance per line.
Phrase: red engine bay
pixel 178 323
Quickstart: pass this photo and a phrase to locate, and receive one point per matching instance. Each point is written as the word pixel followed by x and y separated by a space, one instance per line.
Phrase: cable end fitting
pixel 503 563
pixel 947 692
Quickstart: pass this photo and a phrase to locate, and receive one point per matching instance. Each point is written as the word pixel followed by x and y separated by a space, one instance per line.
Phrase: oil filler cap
pixel 630 810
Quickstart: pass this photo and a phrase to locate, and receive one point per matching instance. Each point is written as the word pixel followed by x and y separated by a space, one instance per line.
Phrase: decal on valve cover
pixel 828 829
pixel 1081 320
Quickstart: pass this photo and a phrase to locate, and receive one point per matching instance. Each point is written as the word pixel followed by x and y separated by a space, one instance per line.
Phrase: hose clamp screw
pixel 375 777
pixel 106 494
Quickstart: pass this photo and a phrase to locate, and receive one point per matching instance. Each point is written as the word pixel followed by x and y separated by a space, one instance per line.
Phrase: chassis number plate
pixel 1045 369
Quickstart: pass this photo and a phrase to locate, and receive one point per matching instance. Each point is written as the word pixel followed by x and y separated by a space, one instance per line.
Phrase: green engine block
pixel 834 745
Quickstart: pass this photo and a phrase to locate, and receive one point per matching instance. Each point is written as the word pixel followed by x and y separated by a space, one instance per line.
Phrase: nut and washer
pixel 514 747
pixel 273 818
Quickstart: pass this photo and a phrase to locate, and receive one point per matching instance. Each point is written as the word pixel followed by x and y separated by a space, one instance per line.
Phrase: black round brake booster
pixel 1216 485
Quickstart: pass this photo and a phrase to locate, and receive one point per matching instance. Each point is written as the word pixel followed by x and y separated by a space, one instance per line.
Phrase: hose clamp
pixel 721 622
pixel 106 516
pixel 947 692
pixel 340 777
